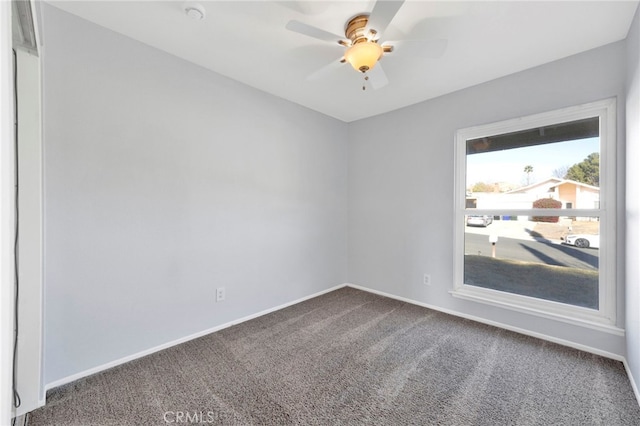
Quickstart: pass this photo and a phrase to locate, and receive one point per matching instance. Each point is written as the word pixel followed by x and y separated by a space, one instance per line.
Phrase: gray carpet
pixel 351 358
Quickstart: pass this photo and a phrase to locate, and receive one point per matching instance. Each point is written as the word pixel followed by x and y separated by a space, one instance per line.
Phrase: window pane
pixel 549 260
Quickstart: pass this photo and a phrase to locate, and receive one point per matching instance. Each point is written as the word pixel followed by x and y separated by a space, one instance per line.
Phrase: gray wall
pixel 164 181
pixel 633 199
pixel 401 170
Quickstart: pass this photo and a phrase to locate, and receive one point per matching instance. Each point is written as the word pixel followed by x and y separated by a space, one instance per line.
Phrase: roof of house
pixel 534 185
pixel 558 182
pixel 582 184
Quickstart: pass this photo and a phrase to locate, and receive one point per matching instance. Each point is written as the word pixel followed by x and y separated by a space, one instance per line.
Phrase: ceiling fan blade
pixel 382 14
pixel 311 31
pixel 325 70
pixel 377 77
pixel 434 48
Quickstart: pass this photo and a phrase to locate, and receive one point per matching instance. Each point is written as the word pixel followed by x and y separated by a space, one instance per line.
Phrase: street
pixel 548 253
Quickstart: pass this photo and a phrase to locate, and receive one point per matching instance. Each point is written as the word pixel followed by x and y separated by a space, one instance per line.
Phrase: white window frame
pixel 604 318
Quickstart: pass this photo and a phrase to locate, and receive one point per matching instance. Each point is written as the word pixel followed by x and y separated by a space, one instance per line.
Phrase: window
pixel 535 211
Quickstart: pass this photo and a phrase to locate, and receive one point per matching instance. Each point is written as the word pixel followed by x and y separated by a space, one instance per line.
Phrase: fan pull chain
pixel 366 78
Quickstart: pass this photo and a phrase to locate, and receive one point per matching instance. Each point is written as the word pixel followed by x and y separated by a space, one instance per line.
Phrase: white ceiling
pixel 247 41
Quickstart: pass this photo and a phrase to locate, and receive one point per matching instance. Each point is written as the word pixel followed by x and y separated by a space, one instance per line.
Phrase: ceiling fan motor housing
pixel 355 29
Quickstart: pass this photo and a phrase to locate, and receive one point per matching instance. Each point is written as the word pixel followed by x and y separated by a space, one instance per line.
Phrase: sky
pixel 508 165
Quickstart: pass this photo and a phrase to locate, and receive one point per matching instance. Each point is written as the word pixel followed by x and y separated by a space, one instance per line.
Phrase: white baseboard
pixel 167 345
pixel 634 386
pixel 541 336
pixel 496 324
pixel 19 420
pixel 24 409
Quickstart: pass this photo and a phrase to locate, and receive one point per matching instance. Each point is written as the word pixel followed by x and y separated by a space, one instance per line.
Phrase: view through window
pixel 533 213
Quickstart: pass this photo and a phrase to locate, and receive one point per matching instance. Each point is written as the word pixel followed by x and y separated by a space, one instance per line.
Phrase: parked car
pixel 476 220
pixel 583 240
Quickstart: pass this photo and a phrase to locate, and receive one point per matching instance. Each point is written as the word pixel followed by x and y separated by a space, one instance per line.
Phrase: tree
pixel 483 187
pixel 546 203
pixel 528 170
pixel 587 171
pixel 560 172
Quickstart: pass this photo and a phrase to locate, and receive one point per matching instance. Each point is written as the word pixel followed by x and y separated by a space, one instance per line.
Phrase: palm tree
pixel 528 170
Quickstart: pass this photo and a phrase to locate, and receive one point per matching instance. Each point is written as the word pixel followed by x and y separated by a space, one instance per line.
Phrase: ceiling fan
pixel 363 33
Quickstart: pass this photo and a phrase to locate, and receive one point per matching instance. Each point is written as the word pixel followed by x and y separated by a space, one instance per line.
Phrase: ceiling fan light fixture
pixel 363 56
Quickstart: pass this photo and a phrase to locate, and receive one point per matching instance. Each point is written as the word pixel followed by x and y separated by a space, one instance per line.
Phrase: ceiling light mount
pixel 355 30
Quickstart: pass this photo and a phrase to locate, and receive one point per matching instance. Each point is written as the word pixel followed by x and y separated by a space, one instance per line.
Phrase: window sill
pixel 574 315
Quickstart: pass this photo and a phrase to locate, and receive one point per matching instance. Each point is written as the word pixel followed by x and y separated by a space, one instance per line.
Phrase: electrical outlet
pixel 220 294
pixel 427 279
